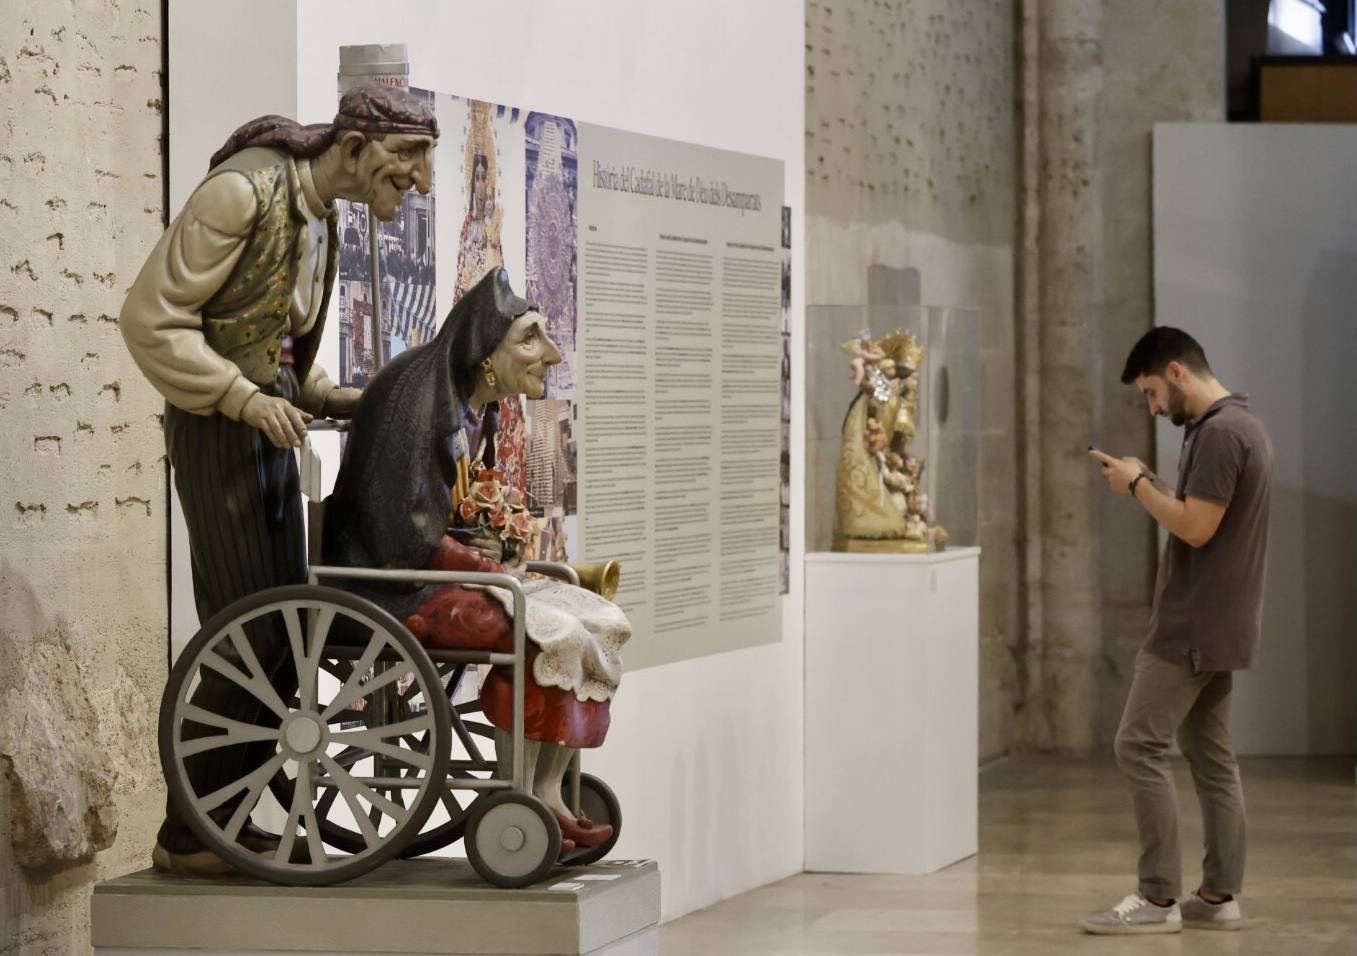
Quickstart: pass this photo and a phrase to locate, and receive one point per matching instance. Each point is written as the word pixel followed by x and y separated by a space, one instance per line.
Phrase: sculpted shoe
pixel 1201 914
pixel 203 864
pixel 567 848
pixel 254 839
pixel 590 836
pixel 1134 915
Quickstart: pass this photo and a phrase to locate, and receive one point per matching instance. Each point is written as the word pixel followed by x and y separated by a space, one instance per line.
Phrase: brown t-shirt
pixel 1208 601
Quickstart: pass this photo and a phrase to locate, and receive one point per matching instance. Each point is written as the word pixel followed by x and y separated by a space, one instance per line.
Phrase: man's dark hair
pixel 1160 346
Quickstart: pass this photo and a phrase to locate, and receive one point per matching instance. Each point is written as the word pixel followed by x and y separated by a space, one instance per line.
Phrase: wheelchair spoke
pixel 306 690
pixel 472 750
pixel 314 845
pixel 259 683
pixel 356 688
pixel 366 824
pixel 351 786
pixel 375 735
pixel 349 756
pixel 248 782
pixel 324 804
pixel 239 730
pixel 414 758
pixel 188 748
pixel 301 800
pixel 415 743
pixel 259 688
pixel 246 807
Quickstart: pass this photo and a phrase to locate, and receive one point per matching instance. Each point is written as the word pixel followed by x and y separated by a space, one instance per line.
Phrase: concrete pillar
pixel 1095 77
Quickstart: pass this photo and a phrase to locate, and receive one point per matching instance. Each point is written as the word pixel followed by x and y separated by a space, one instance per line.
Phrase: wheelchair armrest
pixel 554 569
pixel 602 579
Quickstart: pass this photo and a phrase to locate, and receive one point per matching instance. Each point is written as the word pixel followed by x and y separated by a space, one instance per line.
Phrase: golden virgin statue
pixel 880 502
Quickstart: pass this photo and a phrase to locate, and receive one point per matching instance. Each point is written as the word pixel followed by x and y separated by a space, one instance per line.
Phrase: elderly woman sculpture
pixel 880 503
pixel 422 435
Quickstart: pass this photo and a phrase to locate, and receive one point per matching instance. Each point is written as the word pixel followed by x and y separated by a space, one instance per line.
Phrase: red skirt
pixel 459 618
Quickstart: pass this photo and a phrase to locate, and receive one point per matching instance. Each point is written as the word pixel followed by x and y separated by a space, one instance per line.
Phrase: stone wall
pixel 83 639
pixel 910 165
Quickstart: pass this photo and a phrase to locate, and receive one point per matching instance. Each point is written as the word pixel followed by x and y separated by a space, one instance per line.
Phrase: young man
pixel 1205 623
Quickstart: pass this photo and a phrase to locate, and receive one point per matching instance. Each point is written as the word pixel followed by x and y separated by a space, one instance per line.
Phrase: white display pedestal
pixel 892 673
pixel 405 907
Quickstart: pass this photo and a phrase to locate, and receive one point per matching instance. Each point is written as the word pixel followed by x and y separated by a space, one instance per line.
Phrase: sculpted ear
pixel 350 143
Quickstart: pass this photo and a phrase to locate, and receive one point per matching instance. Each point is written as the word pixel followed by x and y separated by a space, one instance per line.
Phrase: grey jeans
pixel 1168 698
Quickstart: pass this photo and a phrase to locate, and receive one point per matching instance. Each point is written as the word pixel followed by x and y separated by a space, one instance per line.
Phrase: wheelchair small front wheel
pixel 512 840
pixel 599 804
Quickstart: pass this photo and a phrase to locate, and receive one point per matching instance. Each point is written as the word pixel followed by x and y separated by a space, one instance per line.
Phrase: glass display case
pixel 892 428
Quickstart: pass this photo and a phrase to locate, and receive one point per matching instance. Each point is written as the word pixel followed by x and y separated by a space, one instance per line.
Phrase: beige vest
pixel 246 319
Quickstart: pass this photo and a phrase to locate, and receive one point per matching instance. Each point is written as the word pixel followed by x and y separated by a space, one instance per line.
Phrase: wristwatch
pixel 1135 481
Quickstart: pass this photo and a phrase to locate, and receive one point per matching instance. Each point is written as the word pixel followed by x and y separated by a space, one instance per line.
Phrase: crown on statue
pixel 904 349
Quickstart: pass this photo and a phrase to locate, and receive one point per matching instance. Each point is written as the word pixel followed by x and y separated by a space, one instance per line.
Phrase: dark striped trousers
pixel 241 499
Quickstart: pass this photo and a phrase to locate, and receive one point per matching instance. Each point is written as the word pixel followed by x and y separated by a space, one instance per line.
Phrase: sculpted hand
pixel 283 422
pixel 341 402
pixel 487 544
pixel 1118 471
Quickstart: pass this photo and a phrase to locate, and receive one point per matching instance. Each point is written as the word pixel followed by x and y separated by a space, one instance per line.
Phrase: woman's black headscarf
pixel 391 499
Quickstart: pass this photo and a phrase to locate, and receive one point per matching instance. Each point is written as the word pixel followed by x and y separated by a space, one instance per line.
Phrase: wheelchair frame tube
pixel 417 578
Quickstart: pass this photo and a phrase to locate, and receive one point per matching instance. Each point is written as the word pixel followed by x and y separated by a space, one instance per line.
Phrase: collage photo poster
pixel 507 187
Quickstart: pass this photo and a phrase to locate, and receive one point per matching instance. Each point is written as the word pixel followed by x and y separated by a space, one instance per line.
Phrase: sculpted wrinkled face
pixel 523 357
pixel 386 168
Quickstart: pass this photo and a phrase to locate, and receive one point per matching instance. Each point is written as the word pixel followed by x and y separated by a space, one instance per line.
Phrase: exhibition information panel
pixel 679 273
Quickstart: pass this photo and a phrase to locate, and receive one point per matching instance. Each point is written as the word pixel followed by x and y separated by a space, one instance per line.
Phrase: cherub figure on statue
pixel 865 352
pixel 897 481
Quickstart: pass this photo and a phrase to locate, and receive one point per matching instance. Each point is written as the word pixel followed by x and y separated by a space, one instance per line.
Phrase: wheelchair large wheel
pixel 599 804
pixel 252 694
pixel 446 824
pixel 512 840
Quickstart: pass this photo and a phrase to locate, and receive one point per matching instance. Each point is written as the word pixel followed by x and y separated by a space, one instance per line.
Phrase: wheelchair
pixel 375 754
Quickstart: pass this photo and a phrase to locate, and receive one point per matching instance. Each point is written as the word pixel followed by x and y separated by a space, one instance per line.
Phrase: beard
pixel 1177 405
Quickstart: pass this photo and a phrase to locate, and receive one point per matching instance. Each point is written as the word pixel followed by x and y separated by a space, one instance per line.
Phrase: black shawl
pixel 391 499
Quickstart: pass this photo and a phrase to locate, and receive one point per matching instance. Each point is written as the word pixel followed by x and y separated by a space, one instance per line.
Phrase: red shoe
pixel 584 832
pixel 567 848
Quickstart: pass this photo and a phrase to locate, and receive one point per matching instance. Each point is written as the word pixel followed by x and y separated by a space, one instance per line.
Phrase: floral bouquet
pixel 492 507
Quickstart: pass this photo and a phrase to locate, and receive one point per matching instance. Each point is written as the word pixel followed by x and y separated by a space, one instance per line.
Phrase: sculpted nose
pixel 553 355
pixel 422 174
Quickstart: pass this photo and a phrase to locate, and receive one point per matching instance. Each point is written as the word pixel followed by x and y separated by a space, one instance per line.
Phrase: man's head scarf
pixel 371 108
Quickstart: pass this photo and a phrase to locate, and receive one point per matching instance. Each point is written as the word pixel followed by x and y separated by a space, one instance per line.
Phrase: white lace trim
pixel 579 636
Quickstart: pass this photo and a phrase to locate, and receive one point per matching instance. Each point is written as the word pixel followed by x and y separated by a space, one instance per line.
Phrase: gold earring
pixel 488 371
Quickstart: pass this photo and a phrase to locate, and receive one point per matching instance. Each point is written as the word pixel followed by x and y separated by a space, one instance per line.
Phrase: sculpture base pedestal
pixel 879 546
pixel 892 719
pixel 405 907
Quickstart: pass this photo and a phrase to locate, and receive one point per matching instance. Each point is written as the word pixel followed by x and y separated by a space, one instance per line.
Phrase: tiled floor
pixel 1057 840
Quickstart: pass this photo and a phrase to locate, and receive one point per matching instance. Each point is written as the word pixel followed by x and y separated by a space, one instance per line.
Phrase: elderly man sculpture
pixel 225 320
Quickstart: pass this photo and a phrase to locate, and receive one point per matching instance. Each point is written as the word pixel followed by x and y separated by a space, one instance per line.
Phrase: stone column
pixel 1096 76
pixel 83 644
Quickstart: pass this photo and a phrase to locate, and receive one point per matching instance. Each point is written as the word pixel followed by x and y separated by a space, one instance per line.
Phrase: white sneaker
pixel 1202 914
pixel 1134 914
